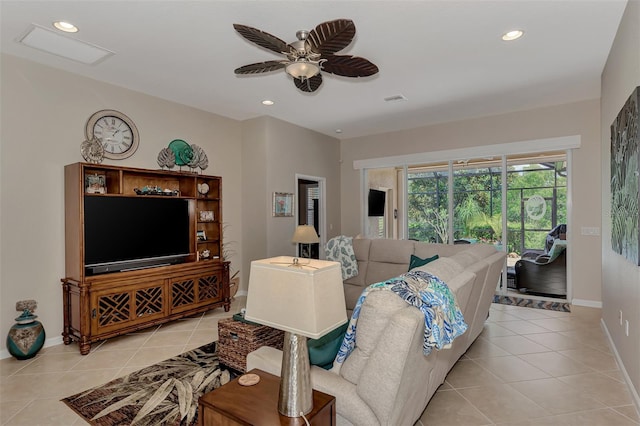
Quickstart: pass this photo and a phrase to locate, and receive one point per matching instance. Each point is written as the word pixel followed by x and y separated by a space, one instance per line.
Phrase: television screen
pixel 121 229
pixel 376 202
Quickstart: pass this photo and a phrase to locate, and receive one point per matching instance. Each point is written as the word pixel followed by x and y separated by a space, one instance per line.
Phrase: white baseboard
pixel 48 342
pixel 632 390
pixel 587 303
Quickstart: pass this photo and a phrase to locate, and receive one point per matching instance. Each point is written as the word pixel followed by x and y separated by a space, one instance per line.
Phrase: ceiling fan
pixel 314 51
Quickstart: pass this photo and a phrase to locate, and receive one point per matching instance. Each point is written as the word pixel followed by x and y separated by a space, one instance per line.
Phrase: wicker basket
pixel 236 339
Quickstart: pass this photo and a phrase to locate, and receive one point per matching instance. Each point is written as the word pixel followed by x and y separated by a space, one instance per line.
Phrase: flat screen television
pixel 125 233
pixel 376 202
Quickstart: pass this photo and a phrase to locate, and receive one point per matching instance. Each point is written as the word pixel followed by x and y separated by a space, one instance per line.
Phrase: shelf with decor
pixel 132 254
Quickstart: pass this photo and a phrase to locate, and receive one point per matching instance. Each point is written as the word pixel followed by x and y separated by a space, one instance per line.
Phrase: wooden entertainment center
pixel 98 306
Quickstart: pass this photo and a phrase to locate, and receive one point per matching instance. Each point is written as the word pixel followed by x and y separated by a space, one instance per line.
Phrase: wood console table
pixel 233 404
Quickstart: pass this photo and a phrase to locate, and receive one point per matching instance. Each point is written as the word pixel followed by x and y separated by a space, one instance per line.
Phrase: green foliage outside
pixel 477 204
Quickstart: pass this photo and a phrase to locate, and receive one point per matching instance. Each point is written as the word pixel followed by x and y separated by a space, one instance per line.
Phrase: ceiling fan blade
pixel 260 67
pixel 262 38
pixel 331 37
pixel 308 85
pixel 348 66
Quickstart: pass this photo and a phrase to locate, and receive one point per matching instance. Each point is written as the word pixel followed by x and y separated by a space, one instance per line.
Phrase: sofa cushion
pixel 423 250
pixel 444 268
pixel 416 261
pixel 391 251
pixel 361 250
pixel 375 313
pixel 382 271
pixel 473 254
pixel 340 249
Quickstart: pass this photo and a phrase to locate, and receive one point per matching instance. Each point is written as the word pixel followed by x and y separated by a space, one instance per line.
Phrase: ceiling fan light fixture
pixel 302 69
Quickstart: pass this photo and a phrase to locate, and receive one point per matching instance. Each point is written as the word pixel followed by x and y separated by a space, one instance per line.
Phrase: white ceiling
pixel 445 56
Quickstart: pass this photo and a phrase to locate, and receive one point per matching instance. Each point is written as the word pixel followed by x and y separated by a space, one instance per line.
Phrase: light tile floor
pixel 533 367
pixel 529 367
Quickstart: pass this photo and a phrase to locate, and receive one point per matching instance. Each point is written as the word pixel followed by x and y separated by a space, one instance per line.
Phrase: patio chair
pixel 544 274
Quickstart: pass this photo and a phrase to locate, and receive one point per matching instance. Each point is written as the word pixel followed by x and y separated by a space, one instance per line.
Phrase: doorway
pixel 310 196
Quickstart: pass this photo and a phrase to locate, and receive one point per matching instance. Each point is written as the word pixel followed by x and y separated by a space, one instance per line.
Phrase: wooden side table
pixel 233 404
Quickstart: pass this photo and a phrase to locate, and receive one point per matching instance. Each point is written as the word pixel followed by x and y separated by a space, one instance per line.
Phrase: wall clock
pixel 115 131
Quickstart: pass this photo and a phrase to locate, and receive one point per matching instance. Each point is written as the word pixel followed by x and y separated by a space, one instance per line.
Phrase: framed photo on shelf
pixel 282 204
pixel 206 216
pixel 201 235
pixel 95 183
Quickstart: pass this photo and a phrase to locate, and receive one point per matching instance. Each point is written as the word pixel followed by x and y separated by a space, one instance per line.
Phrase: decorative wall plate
pixel 182 150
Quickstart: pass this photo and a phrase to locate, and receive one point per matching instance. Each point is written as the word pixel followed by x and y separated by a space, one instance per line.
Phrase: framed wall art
pixel 625 180
pixel 282 204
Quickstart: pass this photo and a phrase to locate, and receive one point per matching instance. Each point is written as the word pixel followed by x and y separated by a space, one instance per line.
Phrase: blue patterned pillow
pixel 340 249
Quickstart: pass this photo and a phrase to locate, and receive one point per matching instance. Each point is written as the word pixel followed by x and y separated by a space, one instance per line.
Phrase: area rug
pixel 532 303
pixel 166 393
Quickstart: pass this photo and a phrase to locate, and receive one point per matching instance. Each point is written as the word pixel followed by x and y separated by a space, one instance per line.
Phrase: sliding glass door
pixel 513 202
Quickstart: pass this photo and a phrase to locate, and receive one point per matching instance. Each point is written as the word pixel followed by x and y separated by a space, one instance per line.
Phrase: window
pixel 536 201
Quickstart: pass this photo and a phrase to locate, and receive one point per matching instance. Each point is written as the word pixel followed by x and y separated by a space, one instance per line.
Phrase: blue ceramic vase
pixel 26 337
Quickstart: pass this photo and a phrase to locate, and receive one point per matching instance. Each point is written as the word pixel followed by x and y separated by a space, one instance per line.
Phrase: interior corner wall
pixel 256 204
pixel 43 112
pixel 579 118
pixel 274 151
pixel 620 277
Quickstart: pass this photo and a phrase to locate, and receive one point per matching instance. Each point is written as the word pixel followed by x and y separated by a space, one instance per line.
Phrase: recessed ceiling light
pixel 338 130
pixel 65 26
pixel 512 35
pixel 267 102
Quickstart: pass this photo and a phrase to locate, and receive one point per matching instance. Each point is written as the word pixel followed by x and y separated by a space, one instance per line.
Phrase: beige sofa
pixel 387 380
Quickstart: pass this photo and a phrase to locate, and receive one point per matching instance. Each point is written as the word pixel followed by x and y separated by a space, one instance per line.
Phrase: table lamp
pixel 305 234
pixel 306 300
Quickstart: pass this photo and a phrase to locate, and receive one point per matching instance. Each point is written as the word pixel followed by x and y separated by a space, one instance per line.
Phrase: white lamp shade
pixel 305 234
pixel 307 300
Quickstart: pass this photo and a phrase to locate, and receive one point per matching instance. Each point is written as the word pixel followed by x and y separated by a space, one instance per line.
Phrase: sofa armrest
pixel 531 254
pixel 386 382
pixel 348 404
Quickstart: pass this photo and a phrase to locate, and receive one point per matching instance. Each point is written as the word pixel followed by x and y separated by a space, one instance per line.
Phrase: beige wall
pixel 582 118
pixel 275 151
pixel 620 277
pixel 43 115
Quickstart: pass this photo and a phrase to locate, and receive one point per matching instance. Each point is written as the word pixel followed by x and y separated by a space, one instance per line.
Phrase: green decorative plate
pixel 182 150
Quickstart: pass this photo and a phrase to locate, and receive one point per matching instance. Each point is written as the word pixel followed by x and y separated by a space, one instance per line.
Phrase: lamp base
pixel 296 394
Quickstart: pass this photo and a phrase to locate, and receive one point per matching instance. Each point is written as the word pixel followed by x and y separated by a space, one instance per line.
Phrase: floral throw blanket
pixel 443 319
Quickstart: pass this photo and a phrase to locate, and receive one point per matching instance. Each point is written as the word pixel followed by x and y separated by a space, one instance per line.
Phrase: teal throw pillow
pixel 416 261
pixel 323 351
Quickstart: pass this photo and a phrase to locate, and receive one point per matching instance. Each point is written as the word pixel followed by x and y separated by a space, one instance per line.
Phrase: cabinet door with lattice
pixel 195 290
pixel 113 309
